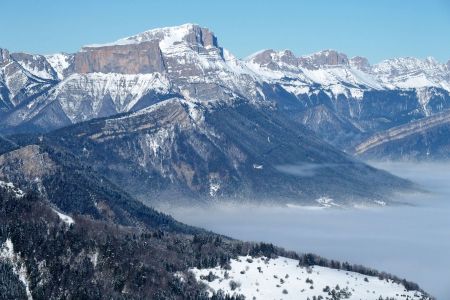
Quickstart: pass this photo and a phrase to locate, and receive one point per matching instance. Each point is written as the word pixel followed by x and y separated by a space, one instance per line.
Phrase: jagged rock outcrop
pixel 324 58
pixel 273 60
pixel 360 63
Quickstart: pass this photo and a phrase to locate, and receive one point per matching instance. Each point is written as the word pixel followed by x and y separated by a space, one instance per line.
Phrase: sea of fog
pixel 408 241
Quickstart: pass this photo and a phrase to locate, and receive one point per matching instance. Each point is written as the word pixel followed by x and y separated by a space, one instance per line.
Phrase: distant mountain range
pixel 172 108
pixel 344 100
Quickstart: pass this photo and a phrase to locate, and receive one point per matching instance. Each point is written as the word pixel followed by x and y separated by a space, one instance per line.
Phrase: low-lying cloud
pixel 304 169
pixel 409 241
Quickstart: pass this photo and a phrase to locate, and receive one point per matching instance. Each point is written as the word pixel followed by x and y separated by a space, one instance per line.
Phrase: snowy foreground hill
pixel 284 278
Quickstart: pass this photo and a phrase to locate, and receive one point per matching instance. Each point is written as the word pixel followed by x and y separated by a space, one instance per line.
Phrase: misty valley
pixel 400 239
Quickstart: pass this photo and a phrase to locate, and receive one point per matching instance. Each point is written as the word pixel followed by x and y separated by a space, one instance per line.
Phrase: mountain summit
pixel 190 33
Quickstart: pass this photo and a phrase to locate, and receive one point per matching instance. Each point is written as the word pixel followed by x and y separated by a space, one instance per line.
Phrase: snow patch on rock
pixel 59 62
pixel 65 218
pixel 11 187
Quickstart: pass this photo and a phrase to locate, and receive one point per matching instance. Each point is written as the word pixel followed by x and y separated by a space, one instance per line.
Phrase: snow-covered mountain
pixel 186 117
pixel 60 62
pixel 335 71
pixel 344 100
pixel 410 73
pixel 112 78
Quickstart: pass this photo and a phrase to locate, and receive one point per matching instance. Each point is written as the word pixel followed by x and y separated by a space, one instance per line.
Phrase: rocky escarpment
pixel 424 139
pixel 141 58
pixel 143 53
pixel 324 58
pixel 286 59
pixel 360 63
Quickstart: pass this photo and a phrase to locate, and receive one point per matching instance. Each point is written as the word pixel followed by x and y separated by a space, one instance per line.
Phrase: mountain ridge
pixel 190 62
pixel 318 95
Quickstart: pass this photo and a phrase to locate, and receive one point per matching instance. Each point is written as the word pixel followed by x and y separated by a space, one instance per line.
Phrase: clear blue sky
pixel 375 29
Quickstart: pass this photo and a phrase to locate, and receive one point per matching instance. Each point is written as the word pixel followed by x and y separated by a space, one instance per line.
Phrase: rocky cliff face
pixel 273 60
pixel 276 60
pixel 148 52
pixel 142 58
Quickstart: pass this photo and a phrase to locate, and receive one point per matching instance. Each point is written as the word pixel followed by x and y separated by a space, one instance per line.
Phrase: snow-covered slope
pixel 283 278
pixel 22 76
pixel 36 65
pixel 81 97
pixel 68 220
pixel 60 62
pixel 86 96
pixel 168 36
